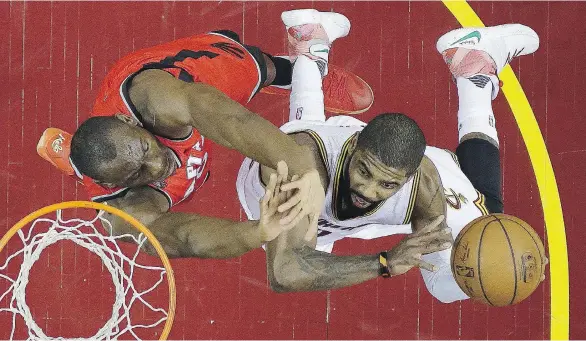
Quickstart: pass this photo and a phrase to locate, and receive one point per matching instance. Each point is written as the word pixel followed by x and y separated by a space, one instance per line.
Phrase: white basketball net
pixel 121 267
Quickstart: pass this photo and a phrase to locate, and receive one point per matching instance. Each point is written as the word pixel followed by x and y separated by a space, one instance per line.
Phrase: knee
pixel 481 136
pixel 494 205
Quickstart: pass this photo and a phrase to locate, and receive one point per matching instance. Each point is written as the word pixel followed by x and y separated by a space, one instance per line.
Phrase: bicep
pixel 161 102
pixel 169 105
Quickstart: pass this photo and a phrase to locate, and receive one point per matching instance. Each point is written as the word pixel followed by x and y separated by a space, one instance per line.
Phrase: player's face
pixel 371 181
pixel 141 159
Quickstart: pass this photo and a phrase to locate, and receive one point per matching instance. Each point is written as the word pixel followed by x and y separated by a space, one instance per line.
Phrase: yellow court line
pixel 546 182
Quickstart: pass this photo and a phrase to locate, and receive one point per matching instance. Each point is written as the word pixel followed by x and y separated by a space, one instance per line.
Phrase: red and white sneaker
pixel 311 33
pixel 344 92
pixel 486 50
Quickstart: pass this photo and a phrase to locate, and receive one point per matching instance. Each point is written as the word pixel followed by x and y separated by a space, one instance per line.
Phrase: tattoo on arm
pixel 309 270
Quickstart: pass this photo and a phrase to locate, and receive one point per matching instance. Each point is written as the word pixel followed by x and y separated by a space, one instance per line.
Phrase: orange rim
pixel 131 220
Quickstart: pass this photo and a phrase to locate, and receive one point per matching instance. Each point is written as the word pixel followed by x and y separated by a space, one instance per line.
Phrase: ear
pixel 128 120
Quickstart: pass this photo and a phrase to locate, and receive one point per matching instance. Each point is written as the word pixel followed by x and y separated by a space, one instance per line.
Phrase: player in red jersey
pixel 143 150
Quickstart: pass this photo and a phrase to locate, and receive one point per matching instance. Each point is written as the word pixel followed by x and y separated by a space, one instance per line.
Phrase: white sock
pixel 307 97
pixel 475 108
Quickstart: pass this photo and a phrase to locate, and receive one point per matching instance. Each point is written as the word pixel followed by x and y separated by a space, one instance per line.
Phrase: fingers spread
pixel 295 214
pixel 266 198
pixel 298 184
pixel 295 200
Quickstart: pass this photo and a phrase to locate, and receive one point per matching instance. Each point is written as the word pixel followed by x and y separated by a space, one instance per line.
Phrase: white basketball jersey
pixel 392 216
pixel 333 139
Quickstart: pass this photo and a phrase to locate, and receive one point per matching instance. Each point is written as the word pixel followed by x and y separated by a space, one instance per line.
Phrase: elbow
pixel 283 279
pixel 445 298
pixel 282 282
pixel 443 287
pixel 278 287
pixel 149 249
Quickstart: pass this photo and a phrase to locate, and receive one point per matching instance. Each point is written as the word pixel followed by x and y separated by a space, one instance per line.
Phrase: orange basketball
pixel 498 259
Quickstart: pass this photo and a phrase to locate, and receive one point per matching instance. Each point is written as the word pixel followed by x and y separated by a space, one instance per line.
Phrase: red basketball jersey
pixel 208 58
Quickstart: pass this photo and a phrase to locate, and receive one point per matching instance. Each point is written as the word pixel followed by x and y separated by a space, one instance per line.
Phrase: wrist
pixel 383 262
pixel 258 232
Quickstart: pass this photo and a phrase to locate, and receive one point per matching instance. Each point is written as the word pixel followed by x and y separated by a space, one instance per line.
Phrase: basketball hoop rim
pixel 128 218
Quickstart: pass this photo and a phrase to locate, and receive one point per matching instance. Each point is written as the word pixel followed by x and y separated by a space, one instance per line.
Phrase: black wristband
pixel 383 269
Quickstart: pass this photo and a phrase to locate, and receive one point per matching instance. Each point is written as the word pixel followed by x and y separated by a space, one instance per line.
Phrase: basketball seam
pixel 478 263
pixel 513 256
pixel 457 243
pixel 534 242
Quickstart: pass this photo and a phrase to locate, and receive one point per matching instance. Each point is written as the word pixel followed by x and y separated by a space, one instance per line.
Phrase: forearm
pixel 185 235
pixel 234 126
pixel 306 269
pixel 268 145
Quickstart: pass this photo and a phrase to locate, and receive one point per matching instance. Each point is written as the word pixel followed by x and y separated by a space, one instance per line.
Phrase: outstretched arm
pixel 299 267
pixel 302 268
pixel 170 107
pixel 294 265
pixel 186 234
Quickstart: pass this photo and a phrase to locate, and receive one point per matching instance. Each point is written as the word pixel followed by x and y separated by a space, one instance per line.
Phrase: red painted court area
pixel 56 54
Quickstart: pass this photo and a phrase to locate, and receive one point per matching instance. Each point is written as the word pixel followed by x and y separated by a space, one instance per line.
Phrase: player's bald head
pixel 95 145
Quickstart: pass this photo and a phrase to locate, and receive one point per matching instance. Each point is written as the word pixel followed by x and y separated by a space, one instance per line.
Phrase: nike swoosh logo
pixel 473 34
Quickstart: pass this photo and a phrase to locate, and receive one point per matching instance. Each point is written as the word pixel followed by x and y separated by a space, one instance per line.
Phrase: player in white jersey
pixel 381 178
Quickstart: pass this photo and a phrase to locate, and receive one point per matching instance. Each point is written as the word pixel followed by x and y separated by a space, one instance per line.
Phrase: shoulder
pixel 313 142
pixel 164 102
pixel 430 194
pixel 429 175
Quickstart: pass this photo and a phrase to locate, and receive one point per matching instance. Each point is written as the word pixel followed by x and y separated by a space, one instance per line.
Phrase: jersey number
pixel 195 166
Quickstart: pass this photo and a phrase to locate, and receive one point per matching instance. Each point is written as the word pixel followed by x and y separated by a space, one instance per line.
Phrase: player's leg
pixel 310 35
pixel 475 56
pixel 273 70
pixel 344 92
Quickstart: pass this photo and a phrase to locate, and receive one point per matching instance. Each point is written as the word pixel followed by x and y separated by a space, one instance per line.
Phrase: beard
pixel 349 199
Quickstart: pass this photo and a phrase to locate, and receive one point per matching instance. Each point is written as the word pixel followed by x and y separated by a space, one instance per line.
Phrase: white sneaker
pixel 335 25
pixel 502 43
pixel 311 33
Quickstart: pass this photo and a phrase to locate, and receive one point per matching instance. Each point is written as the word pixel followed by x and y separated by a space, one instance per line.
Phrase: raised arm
pixel 187 234
pixel 171 107
pixel 293 264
